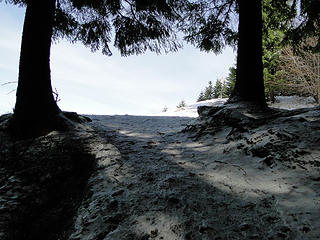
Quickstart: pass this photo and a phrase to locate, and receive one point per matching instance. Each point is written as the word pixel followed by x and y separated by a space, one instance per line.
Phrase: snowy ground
pixel 283 102
pixel 155 182
pixel 191 109
pixel 293 102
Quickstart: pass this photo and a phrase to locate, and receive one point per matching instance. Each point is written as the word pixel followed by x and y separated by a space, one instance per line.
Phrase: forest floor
pixel 233 174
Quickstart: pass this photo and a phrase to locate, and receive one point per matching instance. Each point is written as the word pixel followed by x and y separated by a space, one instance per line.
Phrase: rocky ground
pixel 233 174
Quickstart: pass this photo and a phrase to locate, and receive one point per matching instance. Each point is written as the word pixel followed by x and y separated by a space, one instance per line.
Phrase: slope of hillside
pixel 234 174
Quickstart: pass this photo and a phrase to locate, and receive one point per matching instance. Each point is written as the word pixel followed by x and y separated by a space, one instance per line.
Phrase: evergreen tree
pixel 211 28
pixel 201 97
pixel 308 25
pixel 230 82
pixel 249 77
pixel 182 104
pixel 211 91
pixel 138 26
pixel 208 92
pixel 223 89
pixel 217 89
pixel 275 26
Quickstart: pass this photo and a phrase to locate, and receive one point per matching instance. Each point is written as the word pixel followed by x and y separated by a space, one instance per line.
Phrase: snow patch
pixel 191 110
pixel 282 102
pixel 293 102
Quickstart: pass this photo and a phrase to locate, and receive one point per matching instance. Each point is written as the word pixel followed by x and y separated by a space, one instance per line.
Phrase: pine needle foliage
pixel 132 26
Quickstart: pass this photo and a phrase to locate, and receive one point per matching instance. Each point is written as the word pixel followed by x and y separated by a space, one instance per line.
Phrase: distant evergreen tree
pixel 211 91
pixel 207 94
pixel 165 109
pixel 225 88
pixel 217 89
pixel 230 81
pixel 201 97
pixel 182 104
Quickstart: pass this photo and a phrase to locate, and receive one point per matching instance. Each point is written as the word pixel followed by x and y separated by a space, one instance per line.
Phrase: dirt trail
pixel 154 182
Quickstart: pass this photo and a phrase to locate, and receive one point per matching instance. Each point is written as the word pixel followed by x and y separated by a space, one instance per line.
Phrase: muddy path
pixel 154 182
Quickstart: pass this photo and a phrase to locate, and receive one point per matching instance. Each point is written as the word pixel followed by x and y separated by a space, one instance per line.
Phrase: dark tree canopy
pixel 307 24
pixel 133 26
pixel 213 24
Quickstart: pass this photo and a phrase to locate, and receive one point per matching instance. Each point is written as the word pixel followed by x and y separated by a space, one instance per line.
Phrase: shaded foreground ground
pixel 238 178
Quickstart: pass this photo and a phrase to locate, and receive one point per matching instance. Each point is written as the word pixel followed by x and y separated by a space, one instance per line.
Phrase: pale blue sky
pixel 93 83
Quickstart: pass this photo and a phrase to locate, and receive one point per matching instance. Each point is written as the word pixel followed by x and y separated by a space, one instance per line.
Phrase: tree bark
pixel 35 108
pixel 249 84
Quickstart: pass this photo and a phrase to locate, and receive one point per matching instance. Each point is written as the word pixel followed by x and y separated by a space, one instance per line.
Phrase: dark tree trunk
pixel 36 108
pixel 249 84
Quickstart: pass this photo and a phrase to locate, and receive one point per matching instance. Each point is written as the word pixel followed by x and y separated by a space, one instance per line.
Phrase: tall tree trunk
pixel 249 84
pixel 35 108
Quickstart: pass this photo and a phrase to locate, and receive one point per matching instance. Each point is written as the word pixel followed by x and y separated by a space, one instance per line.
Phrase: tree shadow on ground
pixel 143 190
pixel 43 181
pixel 145 185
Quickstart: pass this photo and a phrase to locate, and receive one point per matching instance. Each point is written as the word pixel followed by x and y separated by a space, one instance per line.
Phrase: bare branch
pixel 9 83
pixel 302 70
